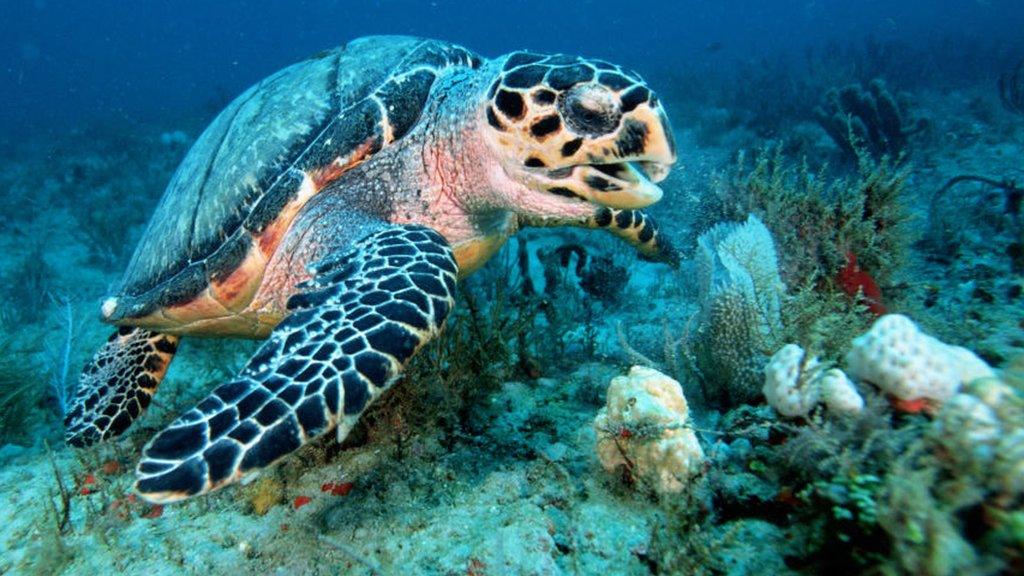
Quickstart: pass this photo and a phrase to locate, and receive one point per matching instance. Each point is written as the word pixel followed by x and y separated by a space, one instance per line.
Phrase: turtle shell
pixel 307 123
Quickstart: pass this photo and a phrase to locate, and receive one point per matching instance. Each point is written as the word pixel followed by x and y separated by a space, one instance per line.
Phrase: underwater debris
pixel 1011 89
pixel 910 365
pixel 794 383
pixel 870 119
pixel 643 429
pixel 740 309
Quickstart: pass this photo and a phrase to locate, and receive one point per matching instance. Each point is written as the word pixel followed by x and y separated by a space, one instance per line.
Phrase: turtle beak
pixel 623 171
pixel 629 184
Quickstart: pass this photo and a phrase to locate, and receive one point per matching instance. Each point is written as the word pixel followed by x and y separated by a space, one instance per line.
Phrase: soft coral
pixel 853 280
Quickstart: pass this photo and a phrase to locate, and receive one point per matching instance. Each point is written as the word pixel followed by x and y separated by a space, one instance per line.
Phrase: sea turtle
pixel 330 209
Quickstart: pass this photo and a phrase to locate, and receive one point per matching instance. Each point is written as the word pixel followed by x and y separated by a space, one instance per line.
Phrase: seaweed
pixel 103 225
pixel 483 345
pixel 29 285
pixel 58 353
pixel 818 222
pixel 22 391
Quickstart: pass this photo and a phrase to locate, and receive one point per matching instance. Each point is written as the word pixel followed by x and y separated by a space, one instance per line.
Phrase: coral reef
pixel 842 242
pixel 643 429
pixel 950 502
pixel 740 309
pixel 910 365
pixel 871 119
pixel 794 383
pixel 482 460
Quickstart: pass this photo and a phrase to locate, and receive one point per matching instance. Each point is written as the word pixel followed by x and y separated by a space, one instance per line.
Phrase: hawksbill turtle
pixel 330 209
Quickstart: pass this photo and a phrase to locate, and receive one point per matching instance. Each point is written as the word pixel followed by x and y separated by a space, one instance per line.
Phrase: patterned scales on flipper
pixel 116 387
pixel 347 338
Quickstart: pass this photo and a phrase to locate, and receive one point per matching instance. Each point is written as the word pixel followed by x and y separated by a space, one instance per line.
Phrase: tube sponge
pixel 742 258
pixel 643 427
pixel 910 365
pixel 740 308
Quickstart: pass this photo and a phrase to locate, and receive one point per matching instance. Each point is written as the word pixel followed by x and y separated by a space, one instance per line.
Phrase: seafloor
pixel 483 459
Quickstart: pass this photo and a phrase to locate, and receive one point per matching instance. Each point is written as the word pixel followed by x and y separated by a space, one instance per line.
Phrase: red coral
pixel 88 485
pixel 914 405
pixel 853 280
pixel 336 488
pixel 301 501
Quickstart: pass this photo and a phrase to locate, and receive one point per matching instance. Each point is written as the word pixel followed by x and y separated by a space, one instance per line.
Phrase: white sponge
pixel 794 385
pixel 644 428
pixel 910 365
pixel 838 393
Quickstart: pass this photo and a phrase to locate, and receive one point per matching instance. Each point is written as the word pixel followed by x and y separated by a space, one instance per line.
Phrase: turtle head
pixel 579 128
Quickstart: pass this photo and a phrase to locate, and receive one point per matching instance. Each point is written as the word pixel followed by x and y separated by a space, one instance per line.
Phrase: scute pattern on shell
pixel 252 159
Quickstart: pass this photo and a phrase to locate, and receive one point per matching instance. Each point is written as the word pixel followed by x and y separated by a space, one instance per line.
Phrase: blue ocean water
pixel 807 357
pixel 65 62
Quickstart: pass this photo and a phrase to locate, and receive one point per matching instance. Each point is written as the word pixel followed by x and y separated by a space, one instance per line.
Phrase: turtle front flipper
pixel 634 226
pixel 116 387
pixel 347 338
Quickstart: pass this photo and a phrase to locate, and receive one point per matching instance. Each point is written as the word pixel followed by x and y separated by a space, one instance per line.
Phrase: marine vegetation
pixel 740 320
pixel 21 395
pixel 841 241
pixel 943 224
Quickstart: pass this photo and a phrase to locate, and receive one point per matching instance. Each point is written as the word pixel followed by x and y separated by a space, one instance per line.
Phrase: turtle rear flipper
pixel 347 338
pixel 116 387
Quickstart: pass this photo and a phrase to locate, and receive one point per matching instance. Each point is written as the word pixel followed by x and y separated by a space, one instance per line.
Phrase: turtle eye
pixel 590 109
